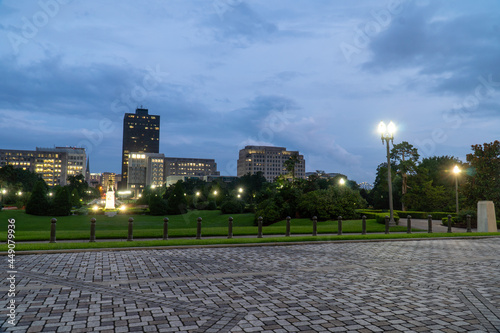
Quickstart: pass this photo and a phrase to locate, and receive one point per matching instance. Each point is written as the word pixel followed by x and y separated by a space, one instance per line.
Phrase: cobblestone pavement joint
pixel 449 285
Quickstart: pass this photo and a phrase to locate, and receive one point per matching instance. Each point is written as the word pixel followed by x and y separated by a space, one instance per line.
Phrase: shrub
pixel 440 215
pixel 380 217
pixel 232 206
pixel 331 203
pixel 157 205
pixel 81 211
pixel 212 205
pixel 269 211
pixel 201 205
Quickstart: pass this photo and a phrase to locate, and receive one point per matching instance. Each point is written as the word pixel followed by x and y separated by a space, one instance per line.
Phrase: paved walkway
pixel 437 225
pixel 441 285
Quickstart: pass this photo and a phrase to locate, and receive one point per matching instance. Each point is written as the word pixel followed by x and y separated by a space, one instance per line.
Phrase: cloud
pixel 449 49
pixel 235 21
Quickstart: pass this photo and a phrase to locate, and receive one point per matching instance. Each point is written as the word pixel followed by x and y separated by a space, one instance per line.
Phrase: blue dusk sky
pixel 315 76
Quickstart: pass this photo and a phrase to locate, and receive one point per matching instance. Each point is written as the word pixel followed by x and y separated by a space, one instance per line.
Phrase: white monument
pixel 110 196
pixel 486 219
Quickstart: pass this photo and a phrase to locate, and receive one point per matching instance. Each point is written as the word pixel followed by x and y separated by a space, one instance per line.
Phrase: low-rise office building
pixel 270 161
pixel 54 165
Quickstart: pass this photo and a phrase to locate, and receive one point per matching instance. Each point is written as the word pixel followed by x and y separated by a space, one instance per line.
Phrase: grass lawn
pixel 29 227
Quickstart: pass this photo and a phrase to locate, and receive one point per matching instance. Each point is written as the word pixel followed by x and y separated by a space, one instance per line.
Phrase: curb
pixel 176 247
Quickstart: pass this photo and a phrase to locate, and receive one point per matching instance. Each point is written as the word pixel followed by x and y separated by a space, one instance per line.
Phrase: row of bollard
pixel 429 224
pixel 259 227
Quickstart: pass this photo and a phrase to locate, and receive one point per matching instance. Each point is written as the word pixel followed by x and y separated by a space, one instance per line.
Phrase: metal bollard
pixel 165 228
pixel 449 224
pixel 130 230
pixel 429 224
pixel 92 230
pixel 315 226
pixel 53 231
pixel 198 229
pixel 339 226
pixel 259 224
pixel 469 229
pixel 287 233
pixel 230 228
pixel 408 224
pixel 386 224
pixel 363 225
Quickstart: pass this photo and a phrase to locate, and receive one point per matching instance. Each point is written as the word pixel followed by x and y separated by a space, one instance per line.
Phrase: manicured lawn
pixel 29 227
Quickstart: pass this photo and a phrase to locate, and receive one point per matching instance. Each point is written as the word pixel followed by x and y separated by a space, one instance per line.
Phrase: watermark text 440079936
pixel 11 271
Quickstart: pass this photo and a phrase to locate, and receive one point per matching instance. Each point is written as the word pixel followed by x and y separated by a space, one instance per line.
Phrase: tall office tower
pixel 141 134
pixel 270 161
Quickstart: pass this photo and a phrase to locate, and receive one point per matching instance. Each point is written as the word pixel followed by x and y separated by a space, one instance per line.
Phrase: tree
pixel 61 205
pixel 483 181
pixel 24 180
pixel 405 157
pixel 177 203
pixel 38 203
pixel 290 164
pixel 157 205
pixel 379 195
pixel 78 182
pixel 75 199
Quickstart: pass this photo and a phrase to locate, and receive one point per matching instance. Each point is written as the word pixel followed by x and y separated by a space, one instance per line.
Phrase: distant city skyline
pixel 312 76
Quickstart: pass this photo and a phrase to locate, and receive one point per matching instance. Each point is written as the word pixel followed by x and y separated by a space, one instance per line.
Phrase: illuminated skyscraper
pixel 141 134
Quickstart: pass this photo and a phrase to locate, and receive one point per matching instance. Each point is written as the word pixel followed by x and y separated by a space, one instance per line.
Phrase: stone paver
pixel 413 286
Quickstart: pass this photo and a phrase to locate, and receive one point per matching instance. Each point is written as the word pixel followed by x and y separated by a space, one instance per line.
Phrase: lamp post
pixel 387 134
pixel 456 171
pixel 342 181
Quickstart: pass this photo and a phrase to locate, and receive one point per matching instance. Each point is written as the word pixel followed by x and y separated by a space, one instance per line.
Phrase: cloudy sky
pixel 315 76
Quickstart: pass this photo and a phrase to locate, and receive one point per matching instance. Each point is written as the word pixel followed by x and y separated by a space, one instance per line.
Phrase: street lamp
pixel 387 134
pixel 456 171
pixel 342 181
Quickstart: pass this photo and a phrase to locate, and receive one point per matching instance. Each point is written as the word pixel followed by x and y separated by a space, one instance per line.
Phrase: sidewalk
pixel 436 225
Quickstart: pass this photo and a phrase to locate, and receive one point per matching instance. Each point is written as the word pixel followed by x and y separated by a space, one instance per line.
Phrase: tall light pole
pixel 387 134
pixel 456 171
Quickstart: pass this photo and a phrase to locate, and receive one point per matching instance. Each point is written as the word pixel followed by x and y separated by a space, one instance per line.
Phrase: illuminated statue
pixel 110 196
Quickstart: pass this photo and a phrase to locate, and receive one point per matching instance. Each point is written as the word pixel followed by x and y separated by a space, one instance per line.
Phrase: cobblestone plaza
pixel 440 285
